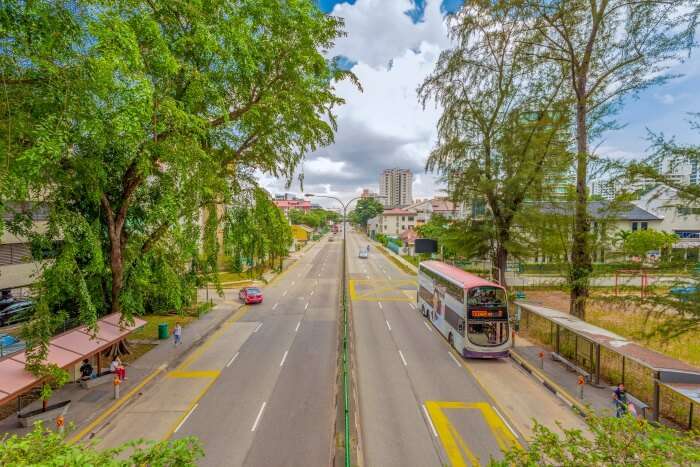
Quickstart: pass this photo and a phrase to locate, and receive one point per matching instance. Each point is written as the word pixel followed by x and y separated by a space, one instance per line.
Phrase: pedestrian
pixel 85 370
pixel 177 334
pixel 117 367
pixel 620 400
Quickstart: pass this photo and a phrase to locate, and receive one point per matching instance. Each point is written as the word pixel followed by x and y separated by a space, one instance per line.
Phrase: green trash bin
pixel 163 331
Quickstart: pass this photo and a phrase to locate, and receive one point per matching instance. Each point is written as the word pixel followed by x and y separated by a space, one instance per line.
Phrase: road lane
pixel 439 396
pixel 279 389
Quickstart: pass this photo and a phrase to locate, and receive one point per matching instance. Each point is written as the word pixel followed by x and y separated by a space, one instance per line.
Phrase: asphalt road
pixel 273 402
pixel 419 406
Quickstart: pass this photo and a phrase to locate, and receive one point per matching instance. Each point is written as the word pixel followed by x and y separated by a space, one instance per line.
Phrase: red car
pixel 250 295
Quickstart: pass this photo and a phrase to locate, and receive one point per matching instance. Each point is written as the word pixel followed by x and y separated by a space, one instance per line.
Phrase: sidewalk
pixel 559 379
pixel 87 405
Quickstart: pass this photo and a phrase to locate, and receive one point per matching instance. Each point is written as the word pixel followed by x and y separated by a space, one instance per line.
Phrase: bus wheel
pixel 451 340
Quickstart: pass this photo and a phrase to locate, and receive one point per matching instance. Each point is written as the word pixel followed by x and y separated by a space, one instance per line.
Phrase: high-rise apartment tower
pixel 397 187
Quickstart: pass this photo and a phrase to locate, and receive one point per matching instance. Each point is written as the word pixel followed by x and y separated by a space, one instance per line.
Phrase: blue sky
pixel 392 45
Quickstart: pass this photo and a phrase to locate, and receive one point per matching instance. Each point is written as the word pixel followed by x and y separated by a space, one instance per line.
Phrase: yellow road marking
pixel 195 374
pixel 118 403
pixel 374 293
pixel 189 408
pixel 450 438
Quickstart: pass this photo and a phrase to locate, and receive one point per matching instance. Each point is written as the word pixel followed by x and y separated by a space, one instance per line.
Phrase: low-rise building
pixel 17 268
pixel 425 209
pixel 392 222
pixel 301 233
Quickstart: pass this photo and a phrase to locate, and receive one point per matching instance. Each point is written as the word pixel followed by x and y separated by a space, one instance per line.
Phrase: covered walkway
pixel 65 350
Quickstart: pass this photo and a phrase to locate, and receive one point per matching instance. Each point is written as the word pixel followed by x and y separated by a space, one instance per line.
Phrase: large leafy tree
pixel 365 209
pixel 503 132
pixel 139 114
pixel 606 50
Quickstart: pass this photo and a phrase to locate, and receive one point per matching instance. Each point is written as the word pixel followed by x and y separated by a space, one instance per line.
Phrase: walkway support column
pixel 657 397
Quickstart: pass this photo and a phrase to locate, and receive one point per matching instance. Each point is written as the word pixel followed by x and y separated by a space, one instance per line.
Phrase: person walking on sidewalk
pixel 620 400
pixel 177 334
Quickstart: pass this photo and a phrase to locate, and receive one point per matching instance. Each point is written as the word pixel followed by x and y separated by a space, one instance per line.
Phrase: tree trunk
pixel 117 265
pixel 502 262
pixel 581 267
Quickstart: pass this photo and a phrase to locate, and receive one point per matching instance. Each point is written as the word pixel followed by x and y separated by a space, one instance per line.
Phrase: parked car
pixel 250 295
pixel 363 254
pixel 16 313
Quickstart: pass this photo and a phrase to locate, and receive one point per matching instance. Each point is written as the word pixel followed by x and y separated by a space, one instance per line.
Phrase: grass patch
pixel 150 330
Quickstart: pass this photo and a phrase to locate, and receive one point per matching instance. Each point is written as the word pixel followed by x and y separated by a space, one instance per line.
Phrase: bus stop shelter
pixel 65 350
pixel 677 376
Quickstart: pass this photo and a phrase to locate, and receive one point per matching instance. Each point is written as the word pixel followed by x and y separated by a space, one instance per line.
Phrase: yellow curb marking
pixel 118 403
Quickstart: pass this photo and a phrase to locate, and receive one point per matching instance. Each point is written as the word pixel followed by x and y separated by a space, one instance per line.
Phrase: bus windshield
pixel 488 333
pixel 486 295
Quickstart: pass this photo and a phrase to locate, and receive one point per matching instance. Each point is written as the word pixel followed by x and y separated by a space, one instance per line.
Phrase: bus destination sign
pixel 485 313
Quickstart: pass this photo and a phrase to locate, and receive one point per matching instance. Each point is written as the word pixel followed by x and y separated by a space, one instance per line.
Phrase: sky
pixel 391 46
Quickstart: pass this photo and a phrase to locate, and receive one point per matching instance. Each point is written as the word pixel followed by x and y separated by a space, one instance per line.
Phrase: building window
pixel 403 227
pixel 634 226
pixel 644 225
pixel 410 219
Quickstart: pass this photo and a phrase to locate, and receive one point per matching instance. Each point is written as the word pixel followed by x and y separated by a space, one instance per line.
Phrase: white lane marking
pixel 293 282
pixel 402 358
pixel 297 328
pixel 367 276
pixel 257 419
pixel 186 417
pixel 306 306
pixel 319 274
pixel 312 292
pixel 231 361
pixel 285 293
pixel 380 305
pixel 412 305
pixel 284 357
pixel 258 327
pixel 275 306
pixel 505 421
pixel 427 326
pixel 388 325
pixel 454 359
pixel 432 427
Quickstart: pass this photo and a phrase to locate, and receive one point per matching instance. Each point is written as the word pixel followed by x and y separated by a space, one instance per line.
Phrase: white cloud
pixel 384 126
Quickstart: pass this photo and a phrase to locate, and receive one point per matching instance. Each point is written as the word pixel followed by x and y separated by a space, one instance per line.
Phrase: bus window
pixel 489 296
pixel 488 333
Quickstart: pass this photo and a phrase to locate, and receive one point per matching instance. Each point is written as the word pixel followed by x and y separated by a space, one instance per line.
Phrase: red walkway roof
pixel 64 350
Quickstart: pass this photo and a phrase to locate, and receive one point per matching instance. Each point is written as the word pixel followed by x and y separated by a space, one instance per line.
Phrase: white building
pixel 396 186
pixel 392 222
pixel 677 215
pixel 426 208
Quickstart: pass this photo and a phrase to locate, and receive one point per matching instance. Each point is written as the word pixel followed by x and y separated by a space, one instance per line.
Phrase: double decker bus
pixel 471 312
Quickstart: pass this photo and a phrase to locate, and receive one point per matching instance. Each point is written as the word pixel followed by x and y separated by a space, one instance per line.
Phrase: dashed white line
pixel 402 358
pixel 297 328
pixel 432 427
pixel 257 419
pixel 312 292
pixel 275 306
pixel 186 417
pixel 388 325
pixel 258 327
pixel 232 359
pixel 427 326
pixel 284 357
pixel 380 305
pixel 505 421
pixel 412 305
pixel 454 359
pixel 292 283
pixel 306 306
pixel 285 293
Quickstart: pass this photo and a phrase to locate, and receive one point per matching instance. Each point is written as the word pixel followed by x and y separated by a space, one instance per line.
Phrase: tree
pixel 366 209
pixel 613 441
pixel 256 231
pixel 503 132
pixel 136 118
pixel 640 242
pixel 42 446
pixel 606 49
